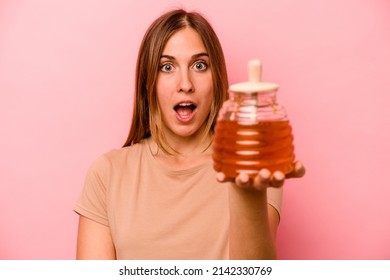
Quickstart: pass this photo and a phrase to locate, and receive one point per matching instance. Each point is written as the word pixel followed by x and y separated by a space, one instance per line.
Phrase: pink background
pixel 66 83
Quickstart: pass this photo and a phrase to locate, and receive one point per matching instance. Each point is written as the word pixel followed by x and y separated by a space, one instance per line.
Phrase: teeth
pixel 185 104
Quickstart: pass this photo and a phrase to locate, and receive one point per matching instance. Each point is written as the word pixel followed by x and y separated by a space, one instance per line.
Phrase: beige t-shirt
pixel 157 213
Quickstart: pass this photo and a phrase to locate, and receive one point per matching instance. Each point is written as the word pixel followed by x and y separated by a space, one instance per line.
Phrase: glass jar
pixel 253 131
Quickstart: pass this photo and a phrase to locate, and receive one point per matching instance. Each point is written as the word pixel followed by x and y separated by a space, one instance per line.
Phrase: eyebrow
pixel 195 56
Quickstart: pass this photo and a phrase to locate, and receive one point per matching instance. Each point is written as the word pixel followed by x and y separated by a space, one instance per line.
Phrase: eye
pixel 167 67
pixel 200 66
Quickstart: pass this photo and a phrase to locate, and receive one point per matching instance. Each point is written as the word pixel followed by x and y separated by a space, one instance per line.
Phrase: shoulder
pixel 117 158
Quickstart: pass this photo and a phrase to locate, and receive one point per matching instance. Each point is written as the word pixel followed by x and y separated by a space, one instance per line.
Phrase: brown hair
pixel 146 119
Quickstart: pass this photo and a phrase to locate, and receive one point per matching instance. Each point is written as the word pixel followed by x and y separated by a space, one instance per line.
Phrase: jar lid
pixel 254 83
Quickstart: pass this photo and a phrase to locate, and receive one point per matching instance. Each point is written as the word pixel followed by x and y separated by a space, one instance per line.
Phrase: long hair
pixel 146 119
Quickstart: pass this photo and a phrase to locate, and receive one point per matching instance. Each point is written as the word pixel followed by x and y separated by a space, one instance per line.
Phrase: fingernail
pixel 278 176
pixel 265 173
pixel 221 177
pixel 244 178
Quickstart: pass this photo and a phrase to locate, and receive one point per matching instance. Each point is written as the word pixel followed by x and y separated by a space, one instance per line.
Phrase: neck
pixel 185 153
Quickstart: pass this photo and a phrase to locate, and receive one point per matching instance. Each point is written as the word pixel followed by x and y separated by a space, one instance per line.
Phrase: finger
pixel 262 179
pixel 299 171
pixel 221 177
pixel 277 179
pixel 243 180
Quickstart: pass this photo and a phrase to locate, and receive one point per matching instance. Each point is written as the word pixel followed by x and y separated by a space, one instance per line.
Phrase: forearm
pixel 250 236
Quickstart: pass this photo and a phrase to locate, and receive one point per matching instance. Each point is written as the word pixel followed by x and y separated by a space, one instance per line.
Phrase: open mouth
pixel 185 110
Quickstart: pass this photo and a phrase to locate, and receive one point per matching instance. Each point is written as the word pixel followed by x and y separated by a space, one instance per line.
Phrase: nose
pixel 185 84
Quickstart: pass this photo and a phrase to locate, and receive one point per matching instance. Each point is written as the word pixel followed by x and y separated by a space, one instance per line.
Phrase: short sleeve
pixel 92 202
pixel 274 197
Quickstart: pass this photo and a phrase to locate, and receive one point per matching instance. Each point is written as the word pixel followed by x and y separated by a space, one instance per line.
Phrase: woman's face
pixel 184 84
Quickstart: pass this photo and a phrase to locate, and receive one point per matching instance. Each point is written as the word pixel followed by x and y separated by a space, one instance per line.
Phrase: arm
pixel 94 241
pixel 254 223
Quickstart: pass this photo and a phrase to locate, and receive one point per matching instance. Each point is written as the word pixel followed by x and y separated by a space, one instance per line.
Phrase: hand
pixel 264 178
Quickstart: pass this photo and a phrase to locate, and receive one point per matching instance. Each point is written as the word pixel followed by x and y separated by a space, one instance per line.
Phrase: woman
pixel 158 197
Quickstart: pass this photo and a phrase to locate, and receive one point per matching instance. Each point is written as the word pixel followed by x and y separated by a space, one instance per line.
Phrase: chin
pixel 186 132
